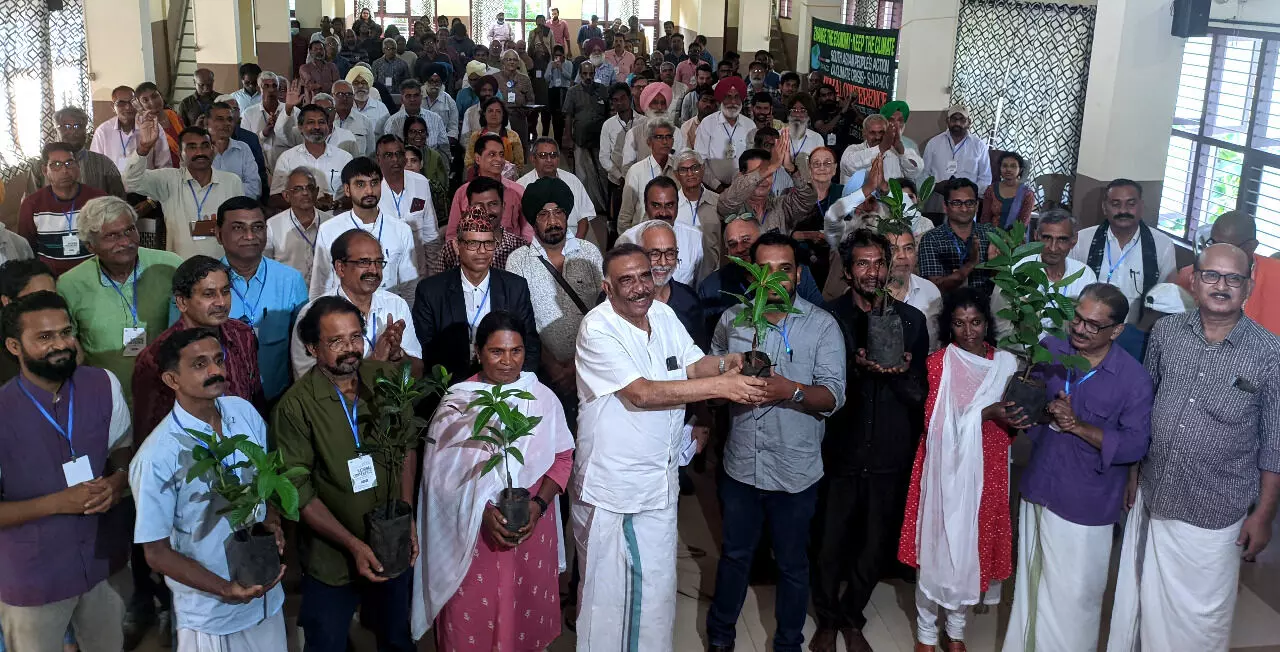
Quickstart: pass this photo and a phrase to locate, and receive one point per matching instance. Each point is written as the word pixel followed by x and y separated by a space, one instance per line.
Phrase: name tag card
pixel 952 166
pixel 363 476
pixel 70 245
pixel 511 97
pixel 77 471
pixel 135 340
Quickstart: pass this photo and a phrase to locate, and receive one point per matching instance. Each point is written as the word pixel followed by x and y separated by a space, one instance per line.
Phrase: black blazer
pixel 439 317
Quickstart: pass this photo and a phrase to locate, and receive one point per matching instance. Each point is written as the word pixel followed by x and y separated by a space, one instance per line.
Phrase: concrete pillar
pixel 1128 113
pixel 754 24
pixel 797 32
pixel 926 57
pixel 274 44
pixel 308 12
pixel 121 50
pixel 218 41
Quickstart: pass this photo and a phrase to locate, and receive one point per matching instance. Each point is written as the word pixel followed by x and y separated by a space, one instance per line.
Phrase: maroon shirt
pixel 153 400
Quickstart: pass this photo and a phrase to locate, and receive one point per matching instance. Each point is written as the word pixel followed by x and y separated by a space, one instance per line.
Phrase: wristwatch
pixel 541 503
pixel 798 395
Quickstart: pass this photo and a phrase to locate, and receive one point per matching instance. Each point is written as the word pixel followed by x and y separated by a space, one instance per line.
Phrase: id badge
pixel 77 471
pixel 538 73
pixel 831 140
pixel 363 477
pixel 511 97
pixel 70 245
pixel 202 228
pixel 728 150
pixel 387 82
pixel 135 340
pixel 952 166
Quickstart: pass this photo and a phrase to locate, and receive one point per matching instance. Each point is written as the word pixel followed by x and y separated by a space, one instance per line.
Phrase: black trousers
pixel 859 524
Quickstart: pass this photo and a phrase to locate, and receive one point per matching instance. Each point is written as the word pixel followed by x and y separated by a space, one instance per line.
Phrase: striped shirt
pixel 1215 422
pixel 46 221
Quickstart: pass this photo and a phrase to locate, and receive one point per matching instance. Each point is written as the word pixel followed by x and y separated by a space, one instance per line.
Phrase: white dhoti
pixel 628 564
pixel 1177 585
pixel 1061 579
pixel 266 636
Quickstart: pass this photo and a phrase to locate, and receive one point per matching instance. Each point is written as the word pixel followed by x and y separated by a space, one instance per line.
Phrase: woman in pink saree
pixel 477 589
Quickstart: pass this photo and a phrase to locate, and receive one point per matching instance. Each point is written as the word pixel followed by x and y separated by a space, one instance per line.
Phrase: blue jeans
pixel 745 509
pixel 326 611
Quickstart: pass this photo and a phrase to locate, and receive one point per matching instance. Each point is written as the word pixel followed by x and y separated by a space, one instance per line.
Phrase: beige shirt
pixel 184 202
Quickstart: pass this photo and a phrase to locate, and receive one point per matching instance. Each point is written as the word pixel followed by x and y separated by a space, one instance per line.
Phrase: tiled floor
pixel 890 627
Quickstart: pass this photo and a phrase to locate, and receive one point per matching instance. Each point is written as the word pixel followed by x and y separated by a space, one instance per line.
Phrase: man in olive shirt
pixel 318 425
pixel 585 111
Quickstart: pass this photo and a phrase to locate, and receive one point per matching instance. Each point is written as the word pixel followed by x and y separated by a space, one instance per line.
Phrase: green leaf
pixel 515 452
pixel 200 468
pixel 484 439
pixel 491 464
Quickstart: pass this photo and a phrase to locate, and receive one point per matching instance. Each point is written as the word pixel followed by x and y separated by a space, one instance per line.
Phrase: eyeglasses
pixel 366 262
pixel 477 245
pixel 547 156
pixel 963 203
pixel 311 187
pixel 689 169
pixel 72 125
pixel 344 94
pixel 129 233
pixel 346 343
pixel 658 255
pixel 821 165
pixel 555 212
pixel 1211 277
pixel 257 228
pixel 1091 327
pixel 62 165
pixel 663 137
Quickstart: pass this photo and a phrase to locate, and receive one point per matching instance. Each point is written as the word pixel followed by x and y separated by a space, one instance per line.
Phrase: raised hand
pixel 293 97
pixel 148 133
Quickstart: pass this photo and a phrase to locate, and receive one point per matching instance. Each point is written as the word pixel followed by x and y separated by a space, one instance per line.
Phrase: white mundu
pixel 624 482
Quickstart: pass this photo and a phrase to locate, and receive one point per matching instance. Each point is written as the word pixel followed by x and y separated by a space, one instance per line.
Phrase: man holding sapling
pixel 177 523
pixel 1056 230
pixel 319 424
pixel 637 368
pixel 1073 488
pixel 950 255
pixel 773 459
pixel 65 541
pixel 869 464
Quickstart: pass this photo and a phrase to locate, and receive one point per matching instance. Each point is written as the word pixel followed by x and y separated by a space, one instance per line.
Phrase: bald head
pixel 1236 228
pixel 1225 258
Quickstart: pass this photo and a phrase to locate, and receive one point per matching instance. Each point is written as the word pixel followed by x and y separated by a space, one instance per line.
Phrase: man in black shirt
pixel 868 467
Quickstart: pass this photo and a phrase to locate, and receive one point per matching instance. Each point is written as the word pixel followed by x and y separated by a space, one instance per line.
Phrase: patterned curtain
pixel 483 14
pixel 43 67
pixel 422 8
pixel 865 12
pixel 1022 70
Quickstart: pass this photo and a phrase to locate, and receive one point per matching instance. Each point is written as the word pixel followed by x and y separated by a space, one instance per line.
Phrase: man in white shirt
pixel 177 523
pixel 659 135
pixel 611 134
pixel 117 138
pixel 915 291
pixel 1057 231
pixel 881 139
pixel 346 117
pixel 500 32
pixel 546 163
pixel 189 196
pixel 362 181
pixel 1123 250
pixel 637 368
pixel 956 153
pixel 269 118
pixel 339 137
pixel 292 233
pixel 440 103
pixel 323 158
pixel 654 101
pixel 411 104
pixel 697 208
pixel 722 136
pixel 661 202
pixel 388 325
pixel 407 195
pixel 366 101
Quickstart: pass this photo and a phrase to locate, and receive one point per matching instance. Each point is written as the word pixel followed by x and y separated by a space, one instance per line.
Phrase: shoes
pixel 956 646
pixel 164 628
pixel 137 620
pixel 720 648
pixel 923 647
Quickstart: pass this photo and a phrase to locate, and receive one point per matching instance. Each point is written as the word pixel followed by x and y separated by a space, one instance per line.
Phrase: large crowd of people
pixel 427 201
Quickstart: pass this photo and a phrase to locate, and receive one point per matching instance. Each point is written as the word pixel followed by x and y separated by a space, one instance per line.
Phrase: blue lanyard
pixel 297 226
pixel 653 170
pixel 956 148
pixel 71 206
pixel 1071 373
pixel 71 413
pixel 124 142
pixel 373 319
pixel 199 202
pixel 483 301
pixel 693 206
pixel 380 222
pixel 960 249
pixel 350 413
pixel 251 311
pixel 729 134
pixel 133 307
pixel 796 151
pixel 1117 264
pixel 786 341
pixel 396 198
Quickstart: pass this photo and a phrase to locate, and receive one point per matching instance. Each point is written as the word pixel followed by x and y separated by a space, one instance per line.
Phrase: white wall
pixel 926 53
pixel 1257 11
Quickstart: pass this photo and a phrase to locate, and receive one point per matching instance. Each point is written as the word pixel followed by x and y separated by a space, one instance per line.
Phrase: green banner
pixel 858 61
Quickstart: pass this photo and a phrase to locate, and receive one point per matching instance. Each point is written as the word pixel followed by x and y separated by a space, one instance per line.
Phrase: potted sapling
pixel 397 430
pixel 885 345
pixel 500 440
pixel 765 295
pixel 1035 307
pixel 246 487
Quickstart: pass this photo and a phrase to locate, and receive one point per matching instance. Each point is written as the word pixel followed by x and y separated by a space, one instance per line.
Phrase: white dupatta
pixel 951 479
pixel 454 494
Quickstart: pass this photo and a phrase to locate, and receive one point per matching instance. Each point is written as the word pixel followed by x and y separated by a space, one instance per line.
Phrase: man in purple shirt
pixel 1073 489
pixel 64 451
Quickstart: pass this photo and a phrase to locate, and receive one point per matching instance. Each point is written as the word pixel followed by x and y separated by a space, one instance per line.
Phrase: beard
pixel 315 137
pixel 57 366
pixel 362 95
pixel 346 363
pixel 731 112
pixel 367 201
pixel 798 128
pixel 596 59
pixel 662 274
pixel 658 115
pixel 552 236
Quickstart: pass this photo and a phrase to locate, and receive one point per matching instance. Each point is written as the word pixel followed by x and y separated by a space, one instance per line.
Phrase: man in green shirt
pixel 314 428
pixel 119 299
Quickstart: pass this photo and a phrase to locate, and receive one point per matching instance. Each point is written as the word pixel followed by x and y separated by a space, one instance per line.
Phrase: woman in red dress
pixel 957 526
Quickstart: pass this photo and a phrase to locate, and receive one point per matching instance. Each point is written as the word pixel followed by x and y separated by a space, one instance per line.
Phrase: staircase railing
pixel 177 26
